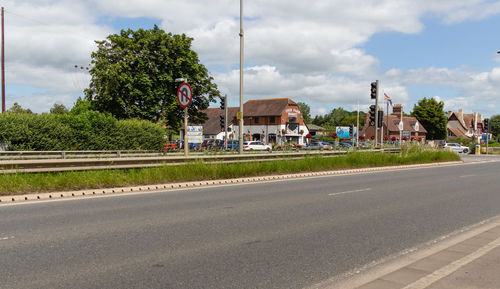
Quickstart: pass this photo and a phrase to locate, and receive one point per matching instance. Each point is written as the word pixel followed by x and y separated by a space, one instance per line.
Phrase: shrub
pixel 89 130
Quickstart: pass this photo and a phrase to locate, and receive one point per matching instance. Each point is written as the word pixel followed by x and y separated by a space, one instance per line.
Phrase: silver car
pixel 455 147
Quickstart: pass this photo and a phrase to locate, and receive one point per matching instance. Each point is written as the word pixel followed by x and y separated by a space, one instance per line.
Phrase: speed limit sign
pixel 184 95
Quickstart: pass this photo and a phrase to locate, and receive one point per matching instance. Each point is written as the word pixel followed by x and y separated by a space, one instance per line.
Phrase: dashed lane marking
pixel 349 192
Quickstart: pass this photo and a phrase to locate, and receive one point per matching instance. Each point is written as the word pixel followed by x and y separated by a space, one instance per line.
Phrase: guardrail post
pixel 119 154
pixel 63 154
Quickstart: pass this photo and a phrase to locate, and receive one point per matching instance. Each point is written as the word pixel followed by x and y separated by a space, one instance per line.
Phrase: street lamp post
pixel 240 137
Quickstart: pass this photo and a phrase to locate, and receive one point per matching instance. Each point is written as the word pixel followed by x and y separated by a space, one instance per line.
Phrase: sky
pixel 321 52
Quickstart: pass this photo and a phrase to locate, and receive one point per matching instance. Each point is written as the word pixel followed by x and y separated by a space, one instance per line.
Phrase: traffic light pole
pixel 376 113
pixel 487 127
pixel 487 141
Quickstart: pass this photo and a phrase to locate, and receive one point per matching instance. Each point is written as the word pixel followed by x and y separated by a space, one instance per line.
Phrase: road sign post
pixel 184 97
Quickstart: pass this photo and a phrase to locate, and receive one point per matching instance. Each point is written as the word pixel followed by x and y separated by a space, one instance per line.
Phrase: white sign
pixel 195 134
pixel 417 127
pixel 184 95
pixel 400 126
pixel 195 128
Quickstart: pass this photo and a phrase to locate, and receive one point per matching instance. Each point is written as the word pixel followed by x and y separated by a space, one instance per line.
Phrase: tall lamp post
pixel 240 116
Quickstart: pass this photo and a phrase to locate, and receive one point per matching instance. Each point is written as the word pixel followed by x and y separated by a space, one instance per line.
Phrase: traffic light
pixel 486 126
pixel 380 118
pixel 373 94
pixel 372 115
pixel 351 130
pixel 223 103
pixel 222 120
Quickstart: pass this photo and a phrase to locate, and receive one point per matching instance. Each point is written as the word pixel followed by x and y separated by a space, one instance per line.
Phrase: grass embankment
pixel 11 184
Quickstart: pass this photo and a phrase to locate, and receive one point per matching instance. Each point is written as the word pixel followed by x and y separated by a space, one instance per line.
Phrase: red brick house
pixel 461 125
pixel 413 130
pixel 276 120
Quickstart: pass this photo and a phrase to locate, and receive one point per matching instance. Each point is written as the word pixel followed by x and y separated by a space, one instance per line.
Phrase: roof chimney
pixel 397 109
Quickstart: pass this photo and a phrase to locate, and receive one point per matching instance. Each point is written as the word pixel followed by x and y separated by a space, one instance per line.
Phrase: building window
pixel 271 138
pixel 256 119
pixel 272 119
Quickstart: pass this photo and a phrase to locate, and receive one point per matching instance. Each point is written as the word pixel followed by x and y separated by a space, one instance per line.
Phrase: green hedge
pixel 90 130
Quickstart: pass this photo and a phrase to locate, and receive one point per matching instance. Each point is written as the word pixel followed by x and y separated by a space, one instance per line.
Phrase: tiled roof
pixel 468 120
pixel 408 123
pixel 212 125
pixel 457 132
pixel 465 122
pixel 266 107
pixel 314 127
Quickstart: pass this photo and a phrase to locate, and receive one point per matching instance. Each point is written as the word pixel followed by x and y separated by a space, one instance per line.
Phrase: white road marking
pixel 466 176
pixel 452 267
pixel 6 238
pixel 348 192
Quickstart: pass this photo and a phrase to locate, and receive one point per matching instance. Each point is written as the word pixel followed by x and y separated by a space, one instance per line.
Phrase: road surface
pixel 280 234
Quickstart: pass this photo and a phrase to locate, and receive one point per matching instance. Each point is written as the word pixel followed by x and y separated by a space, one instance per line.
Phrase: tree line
pixel 428 111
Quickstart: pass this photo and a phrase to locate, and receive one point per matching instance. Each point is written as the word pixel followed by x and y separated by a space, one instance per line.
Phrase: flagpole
pixel 387 111
pixel 382 128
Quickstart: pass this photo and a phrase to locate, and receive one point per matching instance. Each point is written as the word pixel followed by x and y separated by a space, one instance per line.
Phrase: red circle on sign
pixel 184 95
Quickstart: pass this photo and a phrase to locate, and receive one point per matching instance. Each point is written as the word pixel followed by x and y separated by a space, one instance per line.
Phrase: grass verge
pixel 11 184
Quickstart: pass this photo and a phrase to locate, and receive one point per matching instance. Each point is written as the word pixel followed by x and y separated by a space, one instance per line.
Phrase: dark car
pixel 208 143
pixel 233 144
pixel 345 145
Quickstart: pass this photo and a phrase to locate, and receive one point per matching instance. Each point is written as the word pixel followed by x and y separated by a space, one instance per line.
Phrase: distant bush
pixel 89 130
pixel 463 141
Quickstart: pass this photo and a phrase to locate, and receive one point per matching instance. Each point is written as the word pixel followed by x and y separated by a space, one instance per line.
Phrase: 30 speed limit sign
pixel 184 95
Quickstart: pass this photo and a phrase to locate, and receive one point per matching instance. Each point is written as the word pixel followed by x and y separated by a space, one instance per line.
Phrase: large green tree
pixel 17 108
pixel 134 72
pixel 58 109
pixel 306 111
pixel 495 125
pixel 338 117
pixel 429 112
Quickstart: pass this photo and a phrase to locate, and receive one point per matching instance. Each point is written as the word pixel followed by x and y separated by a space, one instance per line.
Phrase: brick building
pixel 412 128
pixel 276 120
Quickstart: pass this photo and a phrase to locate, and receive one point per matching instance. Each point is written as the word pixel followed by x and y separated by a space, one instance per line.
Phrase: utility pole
pixel 357 125
pixel 225 121
pixel 3 65
pixel 240 137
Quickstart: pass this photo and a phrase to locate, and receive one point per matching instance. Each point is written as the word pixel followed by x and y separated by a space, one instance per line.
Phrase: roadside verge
pixel 184 185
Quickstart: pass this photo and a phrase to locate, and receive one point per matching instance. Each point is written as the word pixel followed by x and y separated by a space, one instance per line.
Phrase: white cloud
pixel 308 50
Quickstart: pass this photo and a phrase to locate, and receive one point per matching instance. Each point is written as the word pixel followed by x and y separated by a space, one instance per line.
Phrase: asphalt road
pixel 282 234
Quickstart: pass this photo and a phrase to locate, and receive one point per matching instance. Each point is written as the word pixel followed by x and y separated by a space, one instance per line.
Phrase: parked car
pixel 256 146
pixel 456 147
pixel 233 144
pixel 319 145
pixel 345 145
pixel 207 144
